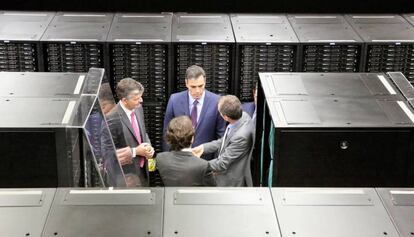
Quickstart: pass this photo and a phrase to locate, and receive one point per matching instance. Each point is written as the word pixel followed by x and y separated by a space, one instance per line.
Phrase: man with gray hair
pixel 126 122
pixel 200 105
pixel 232 166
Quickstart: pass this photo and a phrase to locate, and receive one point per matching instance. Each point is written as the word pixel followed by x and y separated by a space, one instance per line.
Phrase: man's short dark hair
pixel 194 72
pixel 180 133
pixel 105 93
pixel 230 106
pixel 126 86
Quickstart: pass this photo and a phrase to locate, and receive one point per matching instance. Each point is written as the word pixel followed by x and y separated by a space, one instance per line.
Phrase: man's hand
pixel 124 155
pixel 198 150
pixel 145 149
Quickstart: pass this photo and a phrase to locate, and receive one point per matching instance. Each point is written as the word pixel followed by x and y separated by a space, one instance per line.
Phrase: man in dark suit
pixel 179 167
pixel 232 166
pixel 200 105
pixel 250 107
pixel 126 123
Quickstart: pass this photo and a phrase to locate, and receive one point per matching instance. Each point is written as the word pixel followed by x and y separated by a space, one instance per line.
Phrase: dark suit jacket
pixel 210 125
pixel 249 107
pixel 123 136
pixel 182 168
pixel 233 162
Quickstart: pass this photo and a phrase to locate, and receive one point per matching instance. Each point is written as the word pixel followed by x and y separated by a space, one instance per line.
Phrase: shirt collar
pixel 127 111
pixel 200 101
pixel 231 126
pixel 187 149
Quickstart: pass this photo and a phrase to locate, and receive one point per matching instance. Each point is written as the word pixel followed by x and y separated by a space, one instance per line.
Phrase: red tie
pixel 137 135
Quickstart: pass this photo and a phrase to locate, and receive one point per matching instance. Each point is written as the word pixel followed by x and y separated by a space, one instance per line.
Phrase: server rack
pixel 389 43
pixel 139 46
pixel 264 43
pixel 335 130
pixel 74 42
pixel 206 40
pixel 328 43
pixel 20 32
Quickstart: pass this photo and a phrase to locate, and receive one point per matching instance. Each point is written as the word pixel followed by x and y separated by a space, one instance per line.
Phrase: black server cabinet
pixel 75 42
pixel 206 40
pixel 389 43
pixel 139 46
pixel 53 132
pixel 264 43
pixel 335 130
pixel 20 32
pixel 328 43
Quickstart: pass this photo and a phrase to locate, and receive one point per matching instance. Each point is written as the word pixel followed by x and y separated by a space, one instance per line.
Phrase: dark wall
pixel 226 6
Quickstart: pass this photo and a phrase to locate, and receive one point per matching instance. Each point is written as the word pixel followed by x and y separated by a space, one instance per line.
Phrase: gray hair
pixel 194 71
pixel 127 86
pixel 230 106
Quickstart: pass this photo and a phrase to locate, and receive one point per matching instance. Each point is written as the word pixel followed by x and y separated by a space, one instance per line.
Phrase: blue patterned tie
pixel 194 114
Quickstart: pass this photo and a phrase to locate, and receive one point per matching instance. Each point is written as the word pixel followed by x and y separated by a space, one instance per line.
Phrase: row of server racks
pixel 156 49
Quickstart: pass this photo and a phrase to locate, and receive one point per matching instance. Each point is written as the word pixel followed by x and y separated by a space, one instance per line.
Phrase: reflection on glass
pixel 106 99
pixel 104 162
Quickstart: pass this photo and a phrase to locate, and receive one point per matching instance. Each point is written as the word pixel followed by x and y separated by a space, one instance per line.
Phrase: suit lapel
pixel 125 120
pixel 204 108
pixel 235 129
pixel 185 100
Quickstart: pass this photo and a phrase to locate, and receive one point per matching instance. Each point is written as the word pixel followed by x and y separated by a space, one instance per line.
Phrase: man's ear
pixel 226 118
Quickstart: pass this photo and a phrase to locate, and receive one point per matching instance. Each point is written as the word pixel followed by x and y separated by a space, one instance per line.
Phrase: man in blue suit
pixel 200 105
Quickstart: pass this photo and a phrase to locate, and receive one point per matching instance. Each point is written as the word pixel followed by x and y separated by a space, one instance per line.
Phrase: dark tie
pixel 194 114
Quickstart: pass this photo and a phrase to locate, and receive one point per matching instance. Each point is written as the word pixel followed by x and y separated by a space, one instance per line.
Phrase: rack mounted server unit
pixel 139 46
pixel 75 42
pixel 20 33
pixel 389 43
pixel 205 40
pixel 336 129
pixel 264 43
pixel 328 43
pixel 52 132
